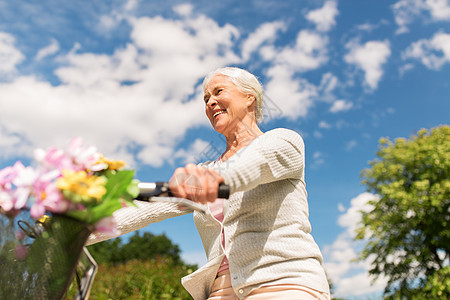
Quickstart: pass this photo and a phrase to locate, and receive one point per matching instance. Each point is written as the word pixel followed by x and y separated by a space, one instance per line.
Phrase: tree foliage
pixel 407 228
pixel 151 279
pixel 140 247
pixel 148 266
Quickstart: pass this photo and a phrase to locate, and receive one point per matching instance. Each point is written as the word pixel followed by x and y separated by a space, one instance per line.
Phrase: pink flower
pixel 37 210
pixel 6 200
pixel 108 226
pixel 37 189
pixel 52 158
pixel 20 177
pixel 54 201
pixel 21 252
pixel 20 235
pixel 77 157
pixel 47 196
pixel 24 180
pixel 7 175
pixel 20 197
pixel 83 156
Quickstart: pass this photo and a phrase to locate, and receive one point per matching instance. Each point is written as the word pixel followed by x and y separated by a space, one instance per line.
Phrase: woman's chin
pixel 220 127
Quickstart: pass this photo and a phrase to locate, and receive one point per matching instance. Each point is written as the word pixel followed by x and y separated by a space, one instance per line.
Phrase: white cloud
pixel 184 9
pixel 318 159
pixel 368 27
pixel 146 94
pixel 309 52
pixel 439 9
pixel 350 277
pixel 405 68
pixel 350 145
pixel 370 58
pixel 324 125
pixel 317 134
pixel 361 284
pixel 340 105
pixel 11 144
pixel 433 53
pixel 108 22
pixel 294 96
pixel 10 56
pixel 352 216
pixel 197 149
pixel 327 87
pixel 131 5
pixel 406 11
pixel 268 52
pixel 324 17
pixel 48 50
pixel 266 32
pixel 328 83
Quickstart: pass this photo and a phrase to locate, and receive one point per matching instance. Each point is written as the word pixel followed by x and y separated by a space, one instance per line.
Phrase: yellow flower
pixel 112 164
pixel 82 184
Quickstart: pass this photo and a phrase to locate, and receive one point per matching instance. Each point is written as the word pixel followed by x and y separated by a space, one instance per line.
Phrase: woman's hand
pixel 195 183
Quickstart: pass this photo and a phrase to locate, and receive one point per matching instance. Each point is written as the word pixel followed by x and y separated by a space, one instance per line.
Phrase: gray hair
pixel 245 81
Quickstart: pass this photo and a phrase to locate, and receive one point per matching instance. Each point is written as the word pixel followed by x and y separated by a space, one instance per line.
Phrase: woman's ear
pixel 250 99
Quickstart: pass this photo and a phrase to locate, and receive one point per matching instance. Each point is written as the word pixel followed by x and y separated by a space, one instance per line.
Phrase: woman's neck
pixel 240 138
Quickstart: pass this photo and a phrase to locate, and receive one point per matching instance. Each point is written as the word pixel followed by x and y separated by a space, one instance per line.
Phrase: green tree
pixel 108 251
pixel 407 228
pixel 151 279
pixel 148 266
pixel 149 246
pixel 140 247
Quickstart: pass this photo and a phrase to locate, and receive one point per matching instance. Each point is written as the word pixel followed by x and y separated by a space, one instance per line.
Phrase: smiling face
pixel 226 106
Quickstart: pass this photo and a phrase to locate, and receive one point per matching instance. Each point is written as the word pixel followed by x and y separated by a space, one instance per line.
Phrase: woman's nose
pixel 212 102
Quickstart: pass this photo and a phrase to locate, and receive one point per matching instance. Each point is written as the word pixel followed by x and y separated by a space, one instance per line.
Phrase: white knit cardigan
pixel 266 227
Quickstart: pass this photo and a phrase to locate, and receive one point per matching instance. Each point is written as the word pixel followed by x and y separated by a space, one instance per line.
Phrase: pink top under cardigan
pixel 216 209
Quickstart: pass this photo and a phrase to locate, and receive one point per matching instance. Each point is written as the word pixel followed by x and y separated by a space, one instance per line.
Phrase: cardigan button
pixel 241 291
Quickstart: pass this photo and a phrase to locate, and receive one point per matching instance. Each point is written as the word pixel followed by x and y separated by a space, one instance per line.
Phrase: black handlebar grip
pixel 157 189
pixel 224 191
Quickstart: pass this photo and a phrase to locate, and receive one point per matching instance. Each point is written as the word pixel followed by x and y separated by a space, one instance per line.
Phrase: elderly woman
pixel 258 242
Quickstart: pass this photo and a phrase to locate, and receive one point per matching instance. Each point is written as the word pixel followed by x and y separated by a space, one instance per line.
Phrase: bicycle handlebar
pixel 161 189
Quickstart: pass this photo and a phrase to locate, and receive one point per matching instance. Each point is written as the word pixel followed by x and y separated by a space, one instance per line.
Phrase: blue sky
pixel 126 76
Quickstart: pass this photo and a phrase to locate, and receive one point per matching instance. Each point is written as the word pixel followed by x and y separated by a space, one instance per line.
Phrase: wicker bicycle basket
pixel 38 261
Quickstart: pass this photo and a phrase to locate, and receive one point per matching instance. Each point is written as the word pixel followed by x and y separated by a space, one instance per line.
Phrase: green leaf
pixel 117 185
pixel 121 189
pixel 105 209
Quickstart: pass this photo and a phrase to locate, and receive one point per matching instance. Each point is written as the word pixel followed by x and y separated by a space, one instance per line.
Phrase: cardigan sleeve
pixel 132 218
pixel 276 155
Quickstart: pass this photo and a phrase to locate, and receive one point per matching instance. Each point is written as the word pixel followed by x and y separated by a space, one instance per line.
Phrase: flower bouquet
pixel 48 211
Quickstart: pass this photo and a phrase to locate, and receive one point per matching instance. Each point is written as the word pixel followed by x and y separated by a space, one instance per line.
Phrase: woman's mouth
pixel 218 113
